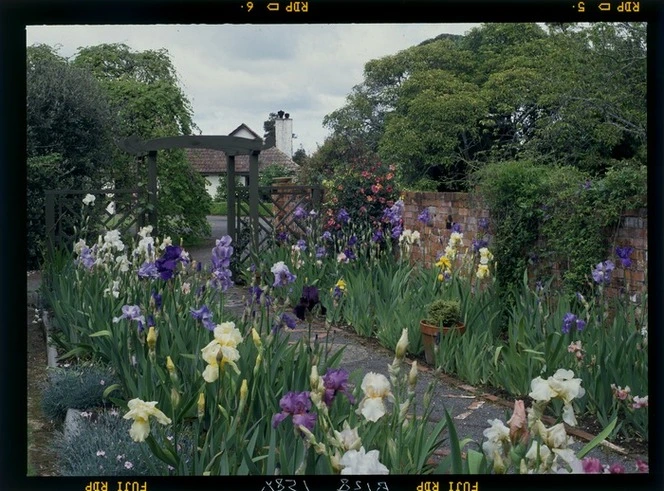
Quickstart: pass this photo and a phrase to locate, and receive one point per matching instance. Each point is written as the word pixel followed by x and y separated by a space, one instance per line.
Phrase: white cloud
pixel 237 74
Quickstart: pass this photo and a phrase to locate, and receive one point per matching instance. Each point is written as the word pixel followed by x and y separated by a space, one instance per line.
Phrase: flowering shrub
pixel 362 189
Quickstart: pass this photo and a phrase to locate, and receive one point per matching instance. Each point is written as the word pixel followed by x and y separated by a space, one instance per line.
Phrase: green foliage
pixel 271 172
pixel 567 95
pixel 444 313
pixel 68 114
pixel 513 191
pixel 79 388
pixel 68 135
pixel 549 214
pixel 143 90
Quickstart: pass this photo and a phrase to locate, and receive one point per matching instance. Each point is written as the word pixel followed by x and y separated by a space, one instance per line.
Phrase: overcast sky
pixel 235 74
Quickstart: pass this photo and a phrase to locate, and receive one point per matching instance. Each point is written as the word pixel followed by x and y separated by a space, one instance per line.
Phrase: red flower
pixel 389 176
pixel 381 199
pixel 388 189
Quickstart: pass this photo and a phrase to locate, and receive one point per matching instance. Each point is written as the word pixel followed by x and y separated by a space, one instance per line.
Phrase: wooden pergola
pixel 230 145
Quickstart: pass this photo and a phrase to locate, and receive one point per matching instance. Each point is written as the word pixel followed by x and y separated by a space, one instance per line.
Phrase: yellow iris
pixel 444 263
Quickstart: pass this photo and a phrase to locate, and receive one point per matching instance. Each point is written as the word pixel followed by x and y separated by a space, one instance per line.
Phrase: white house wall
pixel 211 188
pixel 213 180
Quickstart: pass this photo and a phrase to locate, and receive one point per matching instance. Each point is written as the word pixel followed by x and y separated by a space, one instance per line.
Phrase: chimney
pixel 283 133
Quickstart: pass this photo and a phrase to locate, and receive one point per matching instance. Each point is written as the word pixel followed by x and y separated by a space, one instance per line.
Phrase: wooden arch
pixel 230 145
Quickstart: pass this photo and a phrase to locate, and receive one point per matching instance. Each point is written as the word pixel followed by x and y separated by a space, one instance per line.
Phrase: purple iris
pixel 478 244
pixel 483 224
pixel 204 315
pixel 352 241
pixel 151 322
pixel 166 264
pixel 425 217
pixel 130 312
pixel 302 244
pixel 299 213
pixel 326 236
pixel 335 381
pixel 255 293
pixel 396 231
pixel 222 279
pixel 86 258
pixel 350 255
pixel 456 228
pixel 282 275
pixel 602 272
pixel 343 217
pixel 157 299
pixel 308 301
pixel 337 293
pixel 221 261
pixel 288 321
pixel 623 253
pixel 221 253
pixel 297 405
pixel 321 252
pixel 282 237
pixel 570 321
pixel 148 270
pixel 377 236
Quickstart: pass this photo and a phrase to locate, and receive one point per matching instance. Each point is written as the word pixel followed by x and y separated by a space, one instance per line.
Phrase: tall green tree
pixel 561 94
pixel 68 141
pixel 144 92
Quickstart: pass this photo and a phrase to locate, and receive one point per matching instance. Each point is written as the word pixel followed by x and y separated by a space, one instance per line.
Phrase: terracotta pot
pixel 430 337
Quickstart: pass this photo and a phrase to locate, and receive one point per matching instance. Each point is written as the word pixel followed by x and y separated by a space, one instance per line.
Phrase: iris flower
pixel 221 350
pixel 376 387
pixel 140 411
pixel 282 275
pixel 297 405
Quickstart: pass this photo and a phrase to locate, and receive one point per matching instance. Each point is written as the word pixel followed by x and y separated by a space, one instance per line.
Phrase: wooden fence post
pixel 50 220
pixel 152 190
pixel 253 199
pixel 230 198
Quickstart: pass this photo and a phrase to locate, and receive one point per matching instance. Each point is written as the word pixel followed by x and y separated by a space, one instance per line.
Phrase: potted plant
pixel 443 316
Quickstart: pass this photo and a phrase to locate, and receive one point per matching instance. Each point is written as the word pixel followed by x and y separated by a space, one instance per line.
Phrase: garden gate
pixel 275 207
pixel 122 209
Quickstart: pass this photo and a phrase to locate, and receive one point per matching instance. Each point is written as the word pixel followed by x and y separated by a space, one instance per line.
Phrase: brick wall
pixel 466 209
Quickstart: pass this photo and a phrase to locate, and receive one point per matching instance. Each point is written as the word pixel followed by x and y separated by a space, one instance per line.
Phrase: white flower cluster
pixel 145 250
pixel 549 447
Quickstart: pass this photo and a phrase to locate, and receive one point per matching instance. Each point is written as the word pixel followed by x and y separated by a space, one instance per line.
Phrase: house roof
pixel 245 128
pixel 211 162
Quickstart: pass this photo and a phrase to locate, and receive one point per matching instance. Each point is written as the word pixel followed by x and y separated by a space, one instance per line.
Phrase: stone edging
pixel 51 352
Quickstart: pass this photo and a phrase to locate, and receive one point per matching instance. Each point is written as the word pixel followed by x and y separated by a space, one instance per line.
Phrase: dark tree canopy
pixel 560 94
